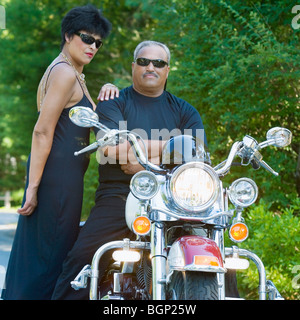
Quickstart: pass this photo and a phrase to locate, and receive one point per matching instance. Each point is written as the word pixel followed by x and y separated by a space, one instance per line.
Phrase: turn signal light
pixel 141 225
pixel 238 232
pixel 206 260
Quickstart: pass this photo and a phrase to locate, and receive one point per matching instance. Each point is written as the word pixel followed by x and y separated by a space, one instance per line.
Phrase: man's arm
pixel 110 114
pixel 124 153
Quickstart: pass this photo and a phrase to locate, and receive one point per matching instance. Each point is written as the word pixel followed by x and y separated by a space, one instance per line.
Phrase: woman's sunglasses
pixel 157 63
pixel 86 38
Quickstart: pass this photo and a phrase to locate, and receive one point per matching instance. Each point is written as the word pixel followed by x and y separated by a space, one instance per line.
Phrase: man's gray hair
pixel 149 43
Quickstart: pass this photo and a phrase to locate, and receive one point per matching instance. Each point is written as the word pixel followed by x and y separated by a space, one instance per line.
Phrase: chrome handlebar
pixel 114 137
pixel 247 150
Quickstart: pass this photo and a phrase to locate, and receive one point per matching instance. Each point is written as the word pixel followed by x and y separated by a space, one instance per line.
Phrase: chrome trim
pixel 236 202
pixel 126 244
pixel 159 261
pixel 234 149
pixel 262 291
pixel 191 218
pixel 80 282
pixel 140 156
pixel 265 286
pixel 273 292
pixel 136 176
pixel 202 268
pixel 218 237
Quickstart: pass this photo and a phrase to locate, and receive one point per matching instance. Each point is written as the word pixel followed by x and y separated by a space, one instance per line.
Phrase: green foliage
pixel 242 73
pixel 274 237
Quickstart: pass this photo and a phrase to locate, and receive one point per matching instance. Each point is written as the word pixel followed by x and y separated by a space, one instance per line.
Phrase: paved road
pixel 8 223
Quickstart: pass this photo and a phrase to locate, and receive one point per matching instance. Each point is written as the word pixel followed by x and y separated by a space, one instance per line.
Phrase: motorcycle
pixel 179 212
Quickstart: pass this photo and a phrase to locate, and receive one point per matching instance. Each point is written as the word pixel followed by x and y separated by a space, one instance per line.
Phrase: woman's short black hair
pixel 86 18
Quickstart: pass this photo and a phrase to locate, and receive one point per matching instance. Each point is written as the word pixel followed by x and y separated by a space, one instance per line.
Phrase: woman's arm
pixel 60 90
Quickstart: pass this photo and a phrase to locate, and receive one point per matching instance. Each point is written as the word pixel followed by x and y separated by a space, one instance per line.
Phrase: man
pixel 145 106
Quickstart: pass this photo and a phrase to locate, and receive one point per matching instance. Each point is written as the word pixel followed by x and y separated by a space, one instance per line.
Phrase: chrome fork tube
pixel 159 259
pixel 218 237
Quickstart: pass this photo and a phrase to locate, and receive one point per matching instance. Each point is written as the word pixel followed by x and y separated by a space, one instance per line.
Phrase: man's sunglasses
pixel 86 38
pixel 157 63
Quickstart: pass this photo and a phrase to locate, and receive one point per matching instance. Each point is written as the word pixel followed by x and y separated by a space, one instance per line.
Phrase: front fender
pixel 195 253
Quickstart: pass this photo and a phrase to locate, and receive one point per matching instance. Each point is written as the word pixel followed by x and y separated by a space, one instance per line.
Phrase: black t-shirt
pixel 156 118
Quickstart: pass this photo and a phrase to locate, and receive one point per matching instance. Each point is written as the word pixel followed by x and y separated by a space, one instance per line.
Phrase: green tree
pixel 237 63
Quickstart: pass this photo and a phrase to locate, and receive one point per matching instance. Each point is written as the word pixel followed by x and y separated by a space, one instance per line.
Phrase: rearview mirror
pixel 282 137
pixel 83 117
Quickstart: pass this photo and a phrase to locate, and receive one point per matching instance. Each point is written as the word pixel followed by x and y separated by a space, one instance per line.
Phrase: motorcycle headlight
pixel 194 186
pixel 144 185
pixel 243 192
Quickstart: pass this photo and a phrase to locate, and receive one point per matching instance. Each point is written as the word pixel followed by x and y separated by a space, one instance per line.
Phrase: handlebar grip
pixel 255 164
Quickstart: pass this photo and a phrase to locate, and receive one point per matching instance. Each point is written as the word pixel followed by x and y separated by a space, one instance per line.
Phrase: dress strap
pixel 45 80
pixel 80 85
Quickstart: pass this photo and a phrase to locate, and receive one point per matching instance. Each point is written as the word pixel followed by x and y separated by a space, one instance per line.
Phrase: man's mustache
pixel 150 73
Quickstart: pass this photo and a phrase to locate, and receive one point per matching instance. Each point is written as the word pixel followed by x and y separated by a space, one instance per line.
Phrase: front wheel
pixel 192 285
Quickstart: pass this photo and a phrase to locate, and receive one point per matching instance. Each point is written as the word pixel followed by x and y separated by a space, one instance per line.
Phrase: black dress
pixel 44 238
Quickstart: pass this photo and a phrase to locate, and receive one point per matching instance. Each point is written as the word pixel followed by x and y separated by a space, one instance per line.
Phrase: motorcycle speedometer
pixel 194 186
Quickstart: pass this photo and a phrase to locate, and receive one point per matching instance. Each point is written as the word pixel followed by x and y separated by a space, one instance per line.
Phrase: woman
pixel 50 215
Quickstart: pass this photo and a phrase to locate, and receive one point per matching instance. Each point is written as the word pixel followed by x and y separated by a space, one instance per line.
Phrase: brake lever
pixel 91 147
pixel 251 154
pixel 268 168
pixel 111 138
pixel 256 164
